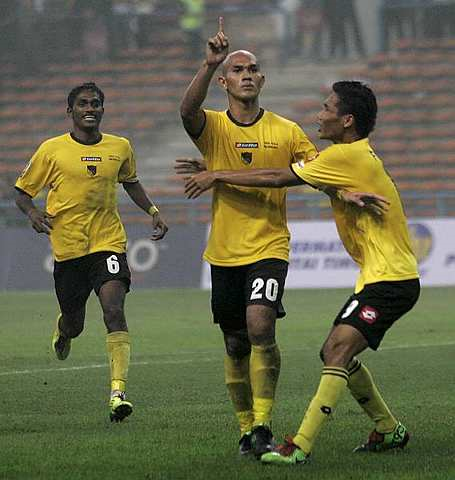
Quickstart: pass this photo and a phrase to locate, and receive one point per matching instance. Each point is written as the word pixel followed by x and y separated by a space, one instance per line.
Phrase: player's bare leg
pixel 112 299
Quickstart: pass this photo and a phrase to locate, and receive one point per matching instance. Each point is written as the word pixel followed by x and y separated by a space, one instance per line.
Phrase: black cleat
pixel 262 440
pixel 245 444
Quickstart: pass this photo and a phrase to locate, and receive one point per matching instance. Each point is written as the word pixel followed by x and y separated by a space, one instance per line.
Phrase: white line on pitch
pixel 200 359
pixel 100 365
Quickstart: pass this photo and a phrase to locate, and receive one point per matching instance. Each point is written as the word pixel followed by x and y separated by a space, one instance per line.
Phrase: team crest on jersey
pixel 368 314
pixel 91 159
pixel 91 170
pixel 247 157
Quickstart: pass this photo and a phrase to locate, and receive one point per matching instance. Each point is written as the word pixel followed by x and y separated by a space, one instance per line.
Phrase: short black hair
pixel 357 99
pixel 91 86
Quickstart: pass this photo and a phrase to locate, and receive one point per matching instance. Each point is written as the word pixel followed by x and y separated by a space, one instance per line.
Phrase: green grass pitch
pixel 54 416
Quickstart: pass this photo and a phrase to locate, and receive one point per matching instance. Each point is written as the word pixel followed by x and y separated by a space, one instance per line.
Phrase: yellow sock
pixel 332 384
pixel 237 378
pixel 364 390
pixel 265 362
pixel 118 351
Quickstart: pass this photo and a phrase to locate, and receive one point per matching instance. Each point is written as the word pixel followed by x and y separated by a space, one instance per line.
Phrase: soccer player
pixel 388 283
pixel 81 170
pixel 248 246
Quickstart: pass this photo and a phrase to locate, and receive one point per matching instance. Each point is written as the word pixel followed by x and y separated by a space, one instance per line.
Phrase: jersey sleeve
pixel 330 168
pixel 37 174
pixel 302 147
pixel 205 141
pixel 127 172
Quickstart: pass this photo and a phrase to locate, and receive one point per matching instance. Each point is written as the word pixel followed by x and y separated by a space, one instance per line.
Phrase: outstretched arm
pixel 275 178
pixel 41 221
pixel 190 108
pixel 185 166
pixel 137 193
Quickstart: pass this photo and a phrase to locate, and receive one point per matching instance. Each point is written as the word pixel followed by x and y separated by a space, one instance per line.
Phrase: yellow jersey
pixel 379 245
pixel 82 198
pixel 249 224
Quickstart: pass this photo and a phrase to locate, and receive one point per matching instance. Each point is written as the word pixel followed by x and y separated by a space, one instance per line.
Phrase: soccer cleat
pixel 287 453
pixel 120 408
pixel 379 442
pixel 246 444
pixel 60 344
pixel 262 440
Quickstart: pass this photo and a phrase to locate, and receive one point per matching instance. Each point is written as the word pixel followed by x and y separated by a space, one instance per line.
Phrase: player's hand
pixel 377 204
pixel 41 221
pixel 197 184
pixel 189 165
pixel 159 227
pixel 217 46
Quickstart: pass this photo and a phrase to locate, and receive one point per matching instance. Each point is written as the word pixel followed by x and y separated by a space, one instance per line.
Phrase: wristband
pixel 152 210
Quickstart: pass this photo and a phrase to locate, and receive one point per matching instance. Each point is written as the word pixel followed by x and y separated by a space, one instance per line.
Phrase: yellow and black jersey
pixel 379 245
pixel 82 198
pixel 249 224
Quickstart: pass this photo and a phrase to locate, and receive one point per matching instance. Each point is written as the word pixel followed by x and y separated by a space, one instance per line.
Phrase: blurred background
pixel 143 54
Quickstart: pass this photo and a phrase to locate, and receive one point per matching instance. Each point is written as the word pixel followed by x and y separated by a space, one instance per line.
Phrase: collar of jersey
pixel 258 117
pixel 82 143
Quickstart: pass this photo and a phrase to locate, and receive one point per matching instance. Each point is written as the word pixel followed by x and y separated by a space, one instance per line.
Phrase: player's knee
pixel 114 318
pixel 261 333
pixel 336 352
pixel 237 344
pixel 112 311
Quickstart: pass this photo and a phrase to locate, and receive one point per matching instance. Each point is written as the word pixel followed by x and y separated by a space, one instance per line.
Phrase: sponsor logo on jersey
pixel 91 159
pixel 247 157
pixel 115 158
pixel 270 145
pixel 368 314
pixel 91 170
pixel 246 145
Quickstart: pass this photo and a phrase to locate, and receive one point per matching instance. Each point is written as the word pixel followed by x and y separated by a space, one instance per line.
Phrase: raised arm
pixel 137 193
pixel 194 96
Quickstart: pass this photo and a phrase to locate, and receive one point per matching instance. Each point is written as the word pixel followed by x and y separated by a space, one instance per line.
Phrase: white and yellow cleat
pixel 120 408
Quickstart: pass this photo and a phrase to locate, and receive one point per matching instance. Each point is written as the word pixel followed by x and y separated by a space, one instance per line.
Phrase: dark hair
pixel 91 86
pixel 357 99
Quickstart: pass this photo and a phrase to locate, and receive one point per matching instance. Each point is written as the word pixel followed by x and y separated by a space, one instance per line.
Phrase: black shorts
pixel 373 310
pixel 234 288
pixel 75 279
